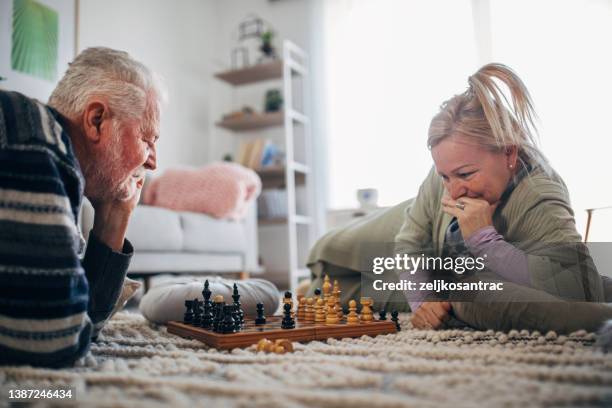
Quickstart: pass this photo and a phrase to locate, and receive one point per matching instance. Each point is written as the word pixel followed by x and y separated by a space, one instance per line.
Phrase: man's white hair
pixel 125 83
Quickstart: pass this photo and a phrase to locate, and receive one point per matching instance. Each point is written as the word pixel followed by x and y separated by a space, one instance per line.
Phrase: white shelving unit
pixel 300 226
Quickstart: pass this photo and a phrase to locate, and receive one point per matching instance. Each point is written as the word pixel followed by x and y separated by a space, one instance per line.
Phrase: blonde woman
pixel 493 194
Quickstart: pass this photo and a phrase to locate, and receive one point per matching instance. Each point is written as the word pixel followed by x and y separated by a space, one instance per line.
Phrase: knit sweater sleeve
pixel 415 238
pixel 43 288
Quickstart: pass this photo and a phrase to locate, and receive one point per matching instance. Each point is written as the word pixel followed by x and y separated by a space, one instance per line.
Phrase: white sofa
pixel 167 241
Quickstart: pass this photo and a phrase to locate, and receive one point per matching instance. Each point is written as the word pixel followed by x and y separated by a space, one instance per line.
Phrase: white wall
pixel 175 39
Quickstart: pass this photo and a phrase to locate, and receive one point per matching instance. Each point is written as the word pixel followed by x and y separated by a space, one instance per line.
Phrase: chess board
pixel 303 332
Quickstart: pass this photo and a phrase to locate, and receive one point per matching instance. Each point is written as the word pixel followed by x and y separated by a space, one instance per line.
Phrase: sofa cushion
pixel 202 233
pixel 155 229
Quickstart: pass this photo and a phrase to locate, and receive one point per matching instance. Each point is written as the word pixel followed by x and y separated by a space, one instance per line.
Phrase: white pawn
pixel 366 312
pixel 352 317
pixel 320 312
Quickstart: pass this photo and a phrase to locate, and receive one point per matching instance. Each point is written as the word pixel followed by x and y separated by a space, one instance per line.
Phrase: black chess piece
pixel 236 316
pixel 260 319
pixel 197 312
pixel 207 316
pixel 188 316
pixel 395 319
pixel 218 319
pixel 382 315
pixel 317 292
pixel 239 311
pixel 288 322
pixel 228 325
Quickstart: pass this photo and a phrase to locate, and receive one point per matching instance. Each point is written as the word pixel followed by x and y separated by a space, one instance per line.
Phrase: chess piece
pixel 336 292
pixel 239 311
pixel 228 325
pixel 301 311
pixel 327 287
pixel 197 312
pixel 331 304
pixel 366 311
pixel 288 299
pixel 395 319
pixel 236 316
pixel 309 314
pixel 265 345
pixel 260 319
pixel 317 295
pixel 207 316
pixel 320 311
pixel 218 304
pixel 188 316
pixel 382 315
pixel 287 322
pixel 332 315
pixel 352 317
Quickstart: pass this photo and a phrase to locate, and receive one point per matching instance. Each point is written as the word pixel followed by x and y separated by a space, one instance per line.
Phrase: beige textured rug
pixel 139 365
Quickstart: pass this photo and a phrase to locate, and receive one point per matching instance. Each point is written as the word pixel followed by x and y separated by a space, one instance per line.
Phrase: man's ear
pixel 95 119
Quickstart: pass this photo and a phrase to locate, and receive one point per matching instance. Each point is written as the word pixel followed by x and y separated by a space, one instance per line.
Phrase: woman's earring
pixel 511 166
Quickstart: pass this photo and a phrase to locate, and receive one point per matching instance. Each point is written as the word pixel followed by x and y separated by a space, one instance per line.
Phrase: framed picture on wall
pixel 37 41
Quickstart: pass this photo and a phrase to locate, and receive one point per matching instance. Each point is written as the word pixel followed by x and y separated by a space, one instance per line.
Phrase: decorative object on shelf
pixel 268 50
pixel 246 110
pixel 253 32
pixel 243 54
pixel 251 27
pixel 273 101
pixel 367 197
pixel 228 157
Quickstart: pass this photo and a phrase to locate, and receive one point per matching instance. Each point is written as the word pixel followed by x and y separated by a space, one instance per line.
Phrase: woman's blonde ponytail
pixel 487 116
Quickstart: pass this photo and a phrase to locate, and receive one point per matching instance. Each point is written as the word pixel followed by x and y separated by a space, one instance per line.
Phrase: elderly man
pixel 96 137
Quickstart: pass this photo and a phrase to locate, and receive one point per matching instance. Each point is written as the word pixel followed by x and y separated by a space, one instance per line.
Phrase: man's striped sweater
pixel 52 300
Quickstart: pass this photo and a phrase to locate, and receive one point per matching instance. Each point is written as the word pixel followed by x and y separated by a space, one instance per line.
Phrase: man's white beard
pixel 101 176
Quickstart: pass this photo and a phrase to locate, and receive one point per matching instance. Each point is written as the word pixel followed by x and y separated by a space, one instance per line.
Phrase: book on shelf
pixel 258 153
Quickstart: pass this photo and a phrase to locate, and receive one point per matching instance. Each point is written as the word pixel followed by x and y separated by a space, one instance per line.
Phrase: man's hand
pixel 112 217
pixel 431 315
pixel 476 213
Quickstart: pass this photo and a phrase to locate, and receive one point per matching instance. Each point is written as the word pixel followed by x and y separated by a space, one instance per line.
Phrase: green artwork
pixel 35 31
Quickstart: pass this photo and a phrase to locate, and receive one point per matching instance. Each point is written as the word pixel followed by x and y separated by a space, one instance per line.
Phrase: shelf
pixel 274 177
pixel 272 221
pixel 254 73
pixel 299 220
pixel 253 121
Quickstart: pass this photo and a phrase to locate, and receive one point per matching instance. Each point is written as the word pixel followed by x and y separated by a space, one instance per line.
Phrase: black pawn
pixel 288 322
pixel 228 325
pixel 395 319
pixel 188 316
pixel 197 312
pixel 236 316
pixel 382 315
pixel 218 319
pixel 317 292
pixel 239 311
pixel 260 319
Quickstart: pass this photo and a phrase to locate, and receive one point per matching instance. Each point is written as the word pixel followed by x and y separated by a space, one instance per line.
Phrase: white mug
pixel 367 197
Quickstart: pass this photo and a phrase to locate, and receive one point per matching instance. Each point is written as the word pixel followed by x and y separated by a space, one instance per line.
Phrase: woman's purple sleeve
pixel 502 258
pixel 415 298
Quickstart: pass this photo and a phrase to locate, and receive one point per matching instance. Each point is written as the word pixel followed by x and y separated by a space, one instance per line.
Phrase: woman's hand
pixel 476 213
pixel 431 315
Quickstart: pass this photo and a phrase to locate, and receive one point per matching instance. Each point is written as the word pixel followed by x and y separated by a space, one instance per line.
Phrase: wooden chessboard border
pixel 303 332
